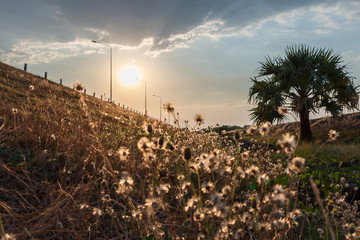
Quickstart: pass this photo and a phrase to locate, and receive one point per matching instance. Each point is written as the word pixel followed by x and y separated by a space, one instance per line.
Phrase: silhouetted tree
pixel 304 80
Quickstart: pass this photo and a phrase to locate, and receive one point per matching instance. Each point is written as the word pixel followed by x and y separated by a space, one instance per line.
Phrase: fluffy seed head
pixel 333 135
pixel 169 107
pixel 245 155
pixel 199 119
pixel 287 143
pixel 297 164
pixel 251 130
pixel 264 128
pixel 144 145
pixel 78 86
pixel 123 153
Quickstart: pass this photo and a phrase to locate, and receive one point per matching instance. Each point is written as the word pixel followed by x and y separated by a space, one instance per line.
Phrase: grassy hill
pixel 348 127
pixel 54 142
pixel 75 167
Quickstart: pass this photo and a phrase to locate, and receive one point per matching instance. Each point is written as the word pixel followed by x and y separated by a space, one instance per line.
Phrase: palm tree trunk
pixel 305 129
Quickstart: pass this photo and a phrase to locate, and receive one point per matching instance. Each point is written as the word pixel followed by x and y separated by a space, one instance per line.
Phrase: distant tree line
pixel 226 128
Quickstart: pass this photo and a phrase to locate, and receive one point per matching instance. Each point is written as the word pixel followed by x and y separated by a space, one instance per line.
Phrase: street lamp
pixel 160 104
pixel 110 65
pixel 145 93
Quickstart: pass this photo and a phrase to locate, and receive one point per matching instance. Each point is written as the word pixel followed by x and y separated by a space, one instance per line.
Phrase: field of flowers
pixel 75 167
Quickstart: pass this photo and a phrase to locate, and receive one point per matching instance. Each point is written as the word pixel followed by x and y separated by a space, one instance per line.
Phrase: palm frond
pixel 306 78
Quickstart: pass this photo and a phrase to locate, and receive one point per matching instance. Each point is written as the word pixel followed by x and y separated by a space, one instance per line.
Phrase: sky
pixel 197 54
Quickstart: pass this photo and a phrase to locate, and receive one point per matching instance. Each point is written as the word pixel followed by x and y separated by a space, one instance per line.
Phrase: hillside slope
pixel 54 143
pixel 348 126
pixel 75 167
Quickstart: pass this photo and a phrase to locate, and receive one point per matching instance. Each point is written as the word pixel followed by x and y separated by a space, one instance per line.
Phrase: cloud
pixel 213 29
pixel 322 31
pixel 327 18
pixel 158 27
pixel 34 52
pixel 100 34
pixel 335 17
pixel 289 18
pixel 40 52
pixel 129 22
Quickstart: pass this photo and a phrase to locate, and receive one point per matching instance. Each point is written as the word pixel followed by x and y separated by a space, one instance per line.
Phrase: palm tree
pixel 305 80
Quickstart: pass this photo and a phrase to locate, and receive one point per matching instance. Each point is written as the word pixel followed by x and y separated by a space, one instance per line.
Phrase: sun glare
pixel 129 74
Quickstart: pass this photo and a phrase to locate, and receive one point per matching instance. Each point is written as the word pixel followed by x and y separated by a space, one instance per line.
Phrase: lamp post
pixel 145 93
pixel 160 104
pixel 110 65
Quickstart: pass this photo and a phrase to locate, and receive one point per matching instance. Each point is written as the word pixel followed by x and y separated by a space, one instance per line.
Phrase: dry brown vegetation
pixel 75 167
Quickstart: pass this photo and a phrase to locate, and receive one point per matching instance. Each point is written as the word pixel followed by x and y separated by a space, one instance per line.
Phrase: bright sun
pixel 129 74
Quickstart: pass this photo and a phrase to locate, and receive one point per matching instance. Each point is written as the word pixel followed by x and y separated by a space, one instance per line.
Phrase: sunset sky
pixel 198 54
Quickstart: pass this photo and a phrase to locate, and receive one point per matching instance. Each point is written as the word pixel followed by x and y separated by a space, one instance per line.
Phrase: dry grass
pixel 75 167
